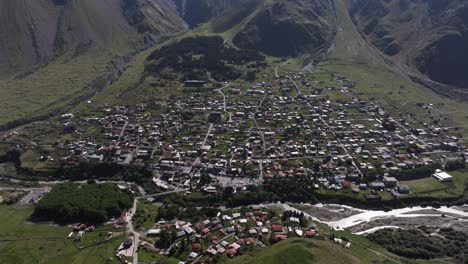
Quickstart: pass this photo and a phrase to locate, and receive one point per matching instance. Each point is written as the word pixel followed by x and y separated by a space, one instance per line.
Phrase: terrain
pixel 292 101
pixel 425 38
pixel 55 54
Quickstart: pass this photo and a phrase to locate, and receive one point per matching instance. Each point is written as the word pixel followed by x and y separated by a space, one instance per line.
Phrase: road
pixel 220 90
pixel 121 134
pixel 162 194
pixel 260 163
pixel 131 230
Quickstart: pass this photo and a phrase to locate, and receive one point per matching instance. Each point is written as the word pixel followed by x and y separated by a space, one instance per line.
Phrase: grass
pixel 23 242
pixel 352 57
pixel 52 86
pixel 147 256
pixel 425 185
pixel 306 251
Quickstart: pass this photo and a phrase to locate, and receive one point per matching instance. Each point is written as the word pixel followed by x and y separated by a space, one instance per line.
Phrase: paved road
pixel 162 194
pixel 220 90
pixel 136 235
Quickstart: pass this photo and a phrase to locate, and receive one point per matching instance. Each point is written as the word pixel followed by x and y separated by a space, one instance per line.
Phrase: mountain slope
pixel 289 28
pixel 56 53
pixel 426 38
pixel 196 12
pixel 35 32
pixel 274 27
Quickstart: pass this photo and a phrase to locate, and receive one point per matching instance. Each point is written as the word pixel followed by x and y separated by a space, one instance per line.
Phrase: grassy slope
pixel 71 74
pixel 354 58
pixel 23 242
pixel 51 86
pixel 308 251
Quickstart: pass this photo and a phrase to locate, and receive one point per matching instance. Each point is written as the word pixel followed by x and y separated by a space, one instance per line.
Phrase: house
pixel 231 252
pixel 235 246
pixel 224 243
pixel 154 232
pixel 196 246
pixel 442 176
pixel 390 182
pixel 294 220
pixel 377 185
pixel 277 228
pixel 180 234
pixel 299 233
pixel 310 233
pixel 212 251
pixel 193 255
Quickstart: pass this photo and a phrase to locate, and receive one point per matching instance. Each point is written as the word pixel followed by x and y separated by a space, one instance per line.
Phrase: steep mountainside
pixel 55 54
pixel 289 27
pixel 34 32
pixel 196 12
pixel 274 27
pixel 427 38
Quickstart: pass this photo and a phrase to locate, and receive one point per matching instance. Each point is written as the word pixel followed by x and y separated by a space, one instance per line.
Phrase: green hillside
pixel 379 77
pixel 55 54
pixel 427 39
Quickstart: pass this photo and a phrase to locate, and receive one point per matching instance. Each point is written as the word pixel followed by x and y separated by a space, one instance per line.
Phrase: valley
pixel 234 131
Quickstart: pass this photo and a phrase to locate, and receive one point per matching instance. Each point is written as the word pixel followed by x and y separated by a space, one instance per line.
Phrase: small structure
pixel 403 189
pixel 442 176
pixel 194 83
pixel 390 182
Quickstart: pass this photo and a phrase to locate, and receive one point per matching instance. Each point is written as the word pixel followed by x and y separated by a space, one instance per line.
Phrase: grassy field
pixel 52 86
pixel 307 251
pixel 425 185
pixel 23 242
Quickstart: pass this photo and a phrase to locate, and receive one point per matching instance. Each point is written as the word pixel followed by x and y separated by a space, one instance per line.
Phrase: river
pixel 361 222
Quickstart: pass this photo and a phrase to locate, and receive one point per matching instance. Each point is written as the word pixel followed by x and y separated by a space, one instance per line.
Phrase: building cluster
pixel 240 135
pixel 231 233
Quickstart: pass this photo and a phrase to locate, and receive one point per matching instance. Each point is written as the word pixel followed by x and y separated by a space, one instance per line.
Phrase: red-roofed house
pixel 231 252
pixel 277 228
pixel 196 246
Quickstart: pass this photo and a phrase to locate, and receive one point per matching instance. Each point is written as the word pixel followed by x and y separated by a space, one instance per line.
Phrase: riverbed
pixel 362 222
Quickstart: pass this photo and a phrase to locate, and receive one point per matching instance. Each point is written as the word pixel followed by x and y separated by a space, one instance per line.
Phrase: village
pixel 219 139
pixel 233 136
pixel 230 233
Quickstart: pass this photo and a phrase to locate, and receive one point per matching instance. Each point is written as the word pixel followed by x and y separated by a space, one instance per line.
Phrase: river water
pixel 359 221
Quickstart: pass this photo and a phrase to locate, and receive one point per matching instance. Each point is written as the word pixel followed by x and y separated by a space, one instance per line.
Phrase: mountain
pixel 426 38
pixel 304 26
pixel 289 27
pixel 35 32
pixel 197 12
